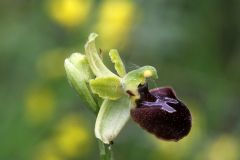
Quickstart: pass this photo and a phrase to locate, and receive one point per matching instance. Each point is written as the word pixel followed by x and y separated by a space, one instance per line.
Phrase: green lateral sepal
pixel 107 87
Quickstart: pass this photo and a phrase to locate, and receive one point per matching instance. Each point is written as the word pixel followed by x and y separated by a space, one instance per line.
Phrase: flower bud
pixel 161 113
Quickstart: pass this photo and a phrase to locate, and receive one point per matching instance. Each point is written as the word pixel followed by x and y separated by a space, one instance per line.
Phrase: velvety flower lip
pixel 161 113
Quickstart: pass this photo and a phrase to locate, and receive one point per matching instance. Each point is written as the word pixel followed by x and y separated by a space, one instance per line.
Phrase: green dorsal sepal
pixel 94 60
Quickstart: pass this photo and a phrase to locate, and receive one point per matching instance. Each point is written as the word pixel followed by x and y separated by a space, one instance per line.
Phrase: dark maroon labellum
pixel 161 113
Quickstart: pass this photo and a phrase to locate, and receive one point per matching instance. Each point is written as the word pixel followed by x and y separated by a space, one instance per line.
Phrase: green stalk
pixel 105 151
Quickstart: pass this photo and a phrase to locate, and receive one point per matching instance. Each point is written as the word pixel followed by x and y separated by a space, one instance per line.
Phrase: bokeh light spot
pixel 69 13
pixel 115 20
pixel 40 104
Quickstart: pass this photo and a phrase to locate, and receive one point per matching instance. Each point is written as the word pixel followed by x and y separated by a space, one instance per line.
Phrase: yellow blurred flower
pixel 72 139
pixel 224 147
pixel 115 20
pixel 40 104
pixel 69 13
pixel 50 64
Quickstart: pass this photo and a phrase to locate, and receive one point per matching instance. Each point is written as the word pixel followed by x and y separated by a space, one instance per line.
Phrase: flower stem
pixel 105 151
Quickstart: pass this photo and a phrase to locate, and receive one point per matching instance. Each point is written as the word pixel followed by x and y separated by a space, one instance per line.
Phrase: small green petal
pixel 94 60
pixel 116 59
pixel 112 117
pixel 131 81
pixel 78 73
pixel 107 87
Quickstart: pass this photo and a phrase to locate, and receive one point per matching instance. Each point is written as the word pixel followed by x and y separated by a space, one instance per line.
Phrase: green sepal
pixel 133 79
pixel 94 60
pixel 78 73
pixel 112 117
pixel 107 87
pixel 116 59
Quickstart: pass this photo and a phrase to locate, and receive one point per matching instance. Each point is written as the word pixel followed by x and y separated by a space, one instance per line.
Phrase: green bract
pixel 88 71
pixel 78 73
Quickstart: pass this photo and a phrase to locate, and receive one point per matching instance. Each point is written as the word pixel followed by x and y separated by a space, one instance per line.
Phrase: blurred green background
pixel 193 44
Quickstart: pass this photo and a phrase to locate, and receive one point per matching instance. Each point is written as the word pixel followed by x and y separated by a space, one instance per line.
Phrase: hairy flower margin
pixel 121 93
